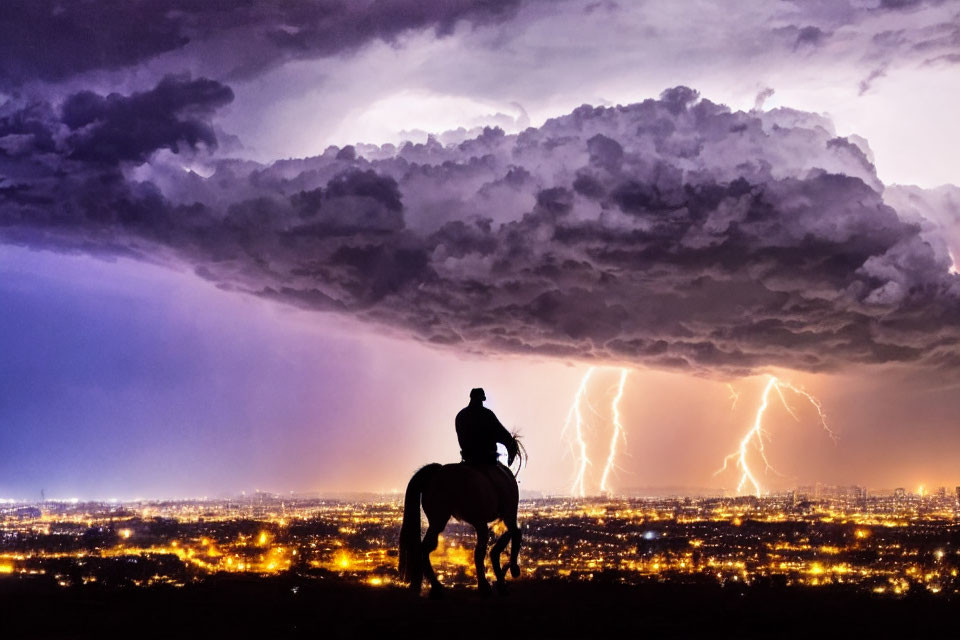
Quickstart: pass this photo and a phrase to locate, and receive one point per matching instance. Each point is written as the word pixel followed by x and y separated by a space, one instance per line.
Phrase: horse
pixel 471 494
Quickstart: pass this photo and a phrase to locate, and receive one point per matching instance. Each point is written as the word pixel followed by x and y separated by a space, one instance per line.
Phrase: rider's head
pixel 477 395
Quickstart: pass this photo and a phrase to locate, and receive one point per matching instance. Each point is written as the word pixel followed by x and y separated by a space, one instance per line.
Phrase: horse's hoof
pixel 436 593
pixel 484 589
pixel 515 570
pixel 502 588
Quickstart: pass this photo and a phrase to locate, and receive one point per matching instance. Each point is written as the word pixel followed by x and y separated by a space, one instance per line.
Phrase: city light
pixel 812 536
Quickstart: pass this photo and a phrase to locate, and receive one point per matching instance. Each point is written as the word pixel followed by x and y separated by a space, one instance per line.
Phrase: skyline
pixel 222 268
pixel 627 493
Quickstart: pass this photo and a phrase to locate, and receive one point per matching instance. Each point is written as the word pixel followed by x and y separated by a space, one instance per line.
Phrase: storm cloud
pixel 53 41
pixel 672 233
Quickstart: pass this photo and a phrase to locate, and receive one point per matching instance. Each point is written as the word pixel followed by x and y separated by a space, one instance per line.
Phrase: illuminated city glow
pixel 754 437
pixel 616 436
pixel 354 540
pixel 579 444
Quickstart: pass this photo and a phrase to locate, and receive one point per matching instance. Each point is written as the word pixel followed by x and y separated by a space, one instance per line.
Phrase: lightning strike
pixel 618 434
pixel 756 434
pixel 575 418
pixel 734 396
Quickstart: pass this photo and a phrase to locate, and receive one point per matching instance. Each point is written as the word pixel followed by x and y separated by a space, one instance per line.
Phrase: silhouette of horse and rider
pixel 479 490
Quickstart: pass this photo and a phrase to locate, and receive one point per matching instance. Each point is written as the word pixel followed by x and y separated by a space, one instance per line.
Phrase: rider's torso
pixel 477 433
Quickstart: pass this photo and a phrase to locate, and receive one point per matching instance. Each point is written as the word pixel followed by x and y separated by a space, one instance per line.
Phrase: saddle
pixel 495 472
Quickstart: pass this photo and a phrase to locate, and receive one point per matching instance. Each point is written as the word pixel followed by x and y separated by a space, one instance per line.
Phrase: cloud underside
pixel 51 41
pixel 672 233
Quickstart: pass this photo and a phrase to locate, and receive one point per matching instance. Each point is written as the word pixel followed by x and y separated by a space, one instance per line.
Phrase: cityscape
pixel 890 543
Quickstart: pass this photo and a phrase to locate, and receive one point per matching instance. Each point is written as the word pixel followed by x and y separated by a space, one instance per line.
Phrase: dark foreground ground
pixel 297 607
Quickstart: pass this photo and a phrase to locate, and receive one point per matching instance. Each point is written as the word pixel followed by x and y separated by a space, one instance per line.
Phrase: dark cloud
pixel 119 128
pixel 899 4
pixel 673 232
pixel 809 35
pixel 52 41
pixel 867 83
pixel 109 130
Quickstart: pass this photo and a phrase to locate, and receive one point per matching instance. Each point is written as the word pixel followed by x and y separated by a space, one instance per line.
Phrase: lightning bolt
pixel 755 435
pixel 734 396
pixel 575 418
pixel 618 433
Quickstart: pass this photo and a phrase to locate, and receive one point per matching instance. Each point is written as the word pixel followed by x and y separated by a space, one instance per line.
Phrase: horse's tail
pixel 411 566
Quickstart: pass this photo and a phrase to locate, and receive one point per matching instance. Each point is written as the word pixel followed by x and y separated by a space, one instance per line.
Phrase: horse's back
pixel 471 494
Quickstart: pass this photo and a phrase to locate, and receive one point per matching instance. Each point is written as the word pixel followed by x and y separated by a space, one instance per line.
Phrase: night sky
pixel 259 245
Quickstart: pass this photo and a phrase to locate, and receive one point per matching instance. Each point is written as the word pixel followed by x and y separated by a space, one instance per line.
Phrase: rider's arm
pixel 504 437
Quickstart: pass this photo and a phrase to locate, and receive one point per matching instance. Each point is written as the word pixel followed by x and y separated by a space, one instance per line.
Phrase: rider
pixel 479 431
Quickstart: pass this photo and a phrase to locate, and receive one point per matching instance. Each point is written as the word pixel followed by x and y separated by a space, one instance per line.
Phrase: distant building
pixel 27 513
pixel 844 493
pixel 899 493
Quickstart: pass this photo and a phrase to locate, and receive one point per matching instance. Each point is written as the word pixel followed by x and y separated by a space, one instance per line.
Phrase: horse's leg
pixel 430 542
pixel 513 529
pixel 478 555
pixel 498 548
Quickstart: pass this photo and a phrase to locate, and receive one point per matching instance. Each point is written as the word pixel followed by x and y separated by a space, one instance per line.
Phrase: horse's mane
pixel 519 453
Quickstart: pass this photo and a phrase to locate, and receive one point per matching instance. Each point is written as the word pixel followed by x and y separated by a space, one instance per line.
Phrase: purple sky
pixel 222 267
